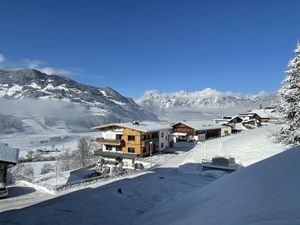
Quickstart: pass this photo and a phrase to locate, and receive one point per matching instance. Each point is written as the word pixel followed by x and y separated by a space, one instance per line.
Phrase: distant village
pixel 124 142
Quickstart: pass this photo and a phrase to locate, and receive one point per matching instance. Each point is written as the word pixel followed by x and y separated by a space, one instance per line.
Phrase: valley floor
pixel 175 175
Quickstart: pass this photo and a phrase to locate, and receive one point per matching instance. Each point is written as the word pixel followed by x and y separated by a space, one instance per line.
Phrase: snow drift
pixel 268 192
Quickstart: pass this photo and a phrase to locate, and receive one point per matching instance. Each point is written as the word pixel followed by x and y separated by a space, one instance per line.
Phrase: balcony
pixel 103 141
pixel 114 154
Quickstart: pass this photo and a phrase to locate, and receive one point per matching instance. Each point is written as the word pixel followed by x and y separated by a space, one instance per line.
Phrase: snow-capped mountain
pixel 100 104
pixel 207 102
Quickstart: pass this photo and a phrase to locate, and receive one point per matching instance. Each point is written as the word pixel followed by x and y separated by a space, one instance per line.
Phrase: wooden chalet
pixel 138 139
pixel 196 130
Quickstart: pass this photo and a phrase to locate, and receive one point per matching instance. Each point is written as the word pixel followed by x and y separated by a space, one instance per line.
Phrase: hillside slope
pixel 41 93
pixel 265 193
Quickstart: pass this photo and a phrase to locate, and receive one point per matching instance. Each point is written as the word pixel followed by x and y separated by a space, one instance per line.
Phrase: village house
pixel 198 130
pixel 127 140
pixel 229 120
pixel 250 119
pixel 8 158
pixel 266 115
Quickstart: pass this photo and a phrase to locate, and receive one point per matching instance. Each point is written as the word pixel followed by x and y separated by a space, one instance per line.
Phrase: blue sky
pixel 169 45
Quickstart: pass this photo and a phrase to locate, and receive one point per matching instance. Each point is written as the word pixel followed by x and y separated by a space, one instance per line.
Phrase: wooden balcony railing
pixel 109 141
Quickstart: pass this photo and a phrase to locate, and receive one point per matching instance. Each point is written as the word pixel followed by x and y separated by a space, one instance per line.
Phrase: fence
pixel 53 189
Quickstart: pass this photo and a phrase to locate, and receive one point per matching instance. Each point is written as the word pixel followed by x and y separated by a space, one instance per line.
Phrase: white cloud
pixel 2 58
pixel 34 64
pixel 56 71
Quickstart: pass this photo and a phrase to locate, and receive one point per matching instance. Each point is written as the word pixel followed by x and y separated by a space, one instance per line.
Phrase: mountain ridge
pixel 101 104
pixel 208 100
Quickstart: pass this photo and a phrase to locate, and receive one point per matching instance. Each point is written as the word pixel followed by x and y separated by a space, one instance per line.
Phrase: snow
pixel 8 154
pixel 205 104
pixel 22 195
pixel 266 113
pixel 34 86
pixel 36 136
pixel 145 126
pixel 117 102
pixel 175 191
pixel 103 92
pixel 266 193
pixel 200 125
pixel 11 91
pixel 49 87
pixel 3 91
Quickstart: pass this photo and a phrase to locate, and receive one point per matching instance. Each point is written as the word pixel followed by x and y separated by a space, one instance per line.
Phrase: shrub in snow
pixel 289 102
pixel 28 171
pixel 47 167
pixel 29 154
pixel 23 171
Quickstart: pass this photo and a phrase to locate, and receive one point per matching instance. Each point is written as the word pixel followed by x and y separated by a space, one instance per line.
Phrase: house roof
pixel 200 124
pixel 8 154
pixel 142 126
pixel 247 114
pixel 265 113
pixel 226 118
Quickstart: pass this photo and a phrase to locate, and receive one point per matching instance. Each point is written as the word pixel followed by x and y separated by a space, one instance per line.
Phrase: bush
pixel 47 167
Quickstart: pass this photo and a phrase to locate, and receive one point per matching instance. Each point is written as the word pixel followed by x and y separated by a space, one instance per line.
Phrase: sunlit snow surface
pixel 175 191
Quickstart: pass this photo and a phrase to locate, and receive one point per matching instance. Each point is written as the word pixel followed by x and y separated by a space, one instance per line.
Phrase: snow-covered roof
pixel 179 134
pixel 146 126
pixel 246 114
pixel 8 154
pixel 200 124
pixel 265 113
pixel 226 119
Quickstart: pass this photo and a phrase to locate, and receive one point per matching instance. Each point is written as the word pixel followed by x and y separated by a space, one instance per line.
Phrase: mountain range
pixel 205 104
pixel 51 99
pixel 30 92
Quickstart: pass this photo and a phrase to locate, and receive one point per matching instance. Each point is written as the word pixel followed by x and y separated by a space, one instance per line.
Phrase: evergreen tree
pixel 289 105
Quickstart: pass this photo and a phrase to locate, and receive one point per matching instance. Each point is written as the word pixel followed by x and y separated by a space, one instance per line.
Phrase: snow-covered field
pixel 27 142
pixel 176 175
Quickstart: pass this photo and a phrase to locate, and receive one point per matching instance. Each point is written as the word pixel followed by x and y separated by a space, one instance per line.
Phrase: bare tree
pixel 64 161
pixel 24 172
pixel 84 151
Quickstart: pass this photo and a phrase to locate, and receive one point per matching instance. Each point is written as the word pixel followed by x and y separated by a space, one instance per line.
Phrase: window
pixel 119 148
pixel 144 150
pixel 108 147
pixel 119 136
pixel 154 135
pixel 131 150
pixel 162 134
pixel 162 145
pixel 131 138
